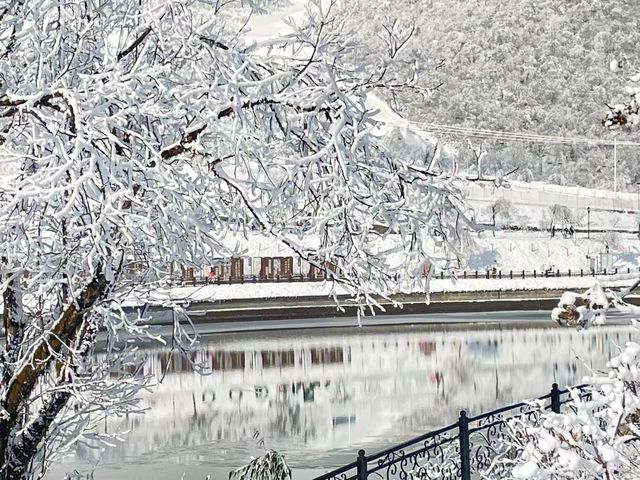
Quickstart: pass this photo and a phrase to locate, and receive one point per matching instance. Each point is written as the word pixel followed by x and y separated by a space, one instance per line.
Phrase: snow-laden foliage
pixel 596 437
pixel 626 114
pixel 582 310
pixel 139 135
pixel 270 466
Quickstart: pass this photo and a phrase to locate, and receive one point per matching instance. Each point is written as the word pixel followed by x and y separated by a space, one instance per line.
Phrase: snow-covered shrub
pixel 504 211
pixel 561 214
pixel 626 114
pixel 270 466
pixel 611 240
pixel 596 437
pixel 585 309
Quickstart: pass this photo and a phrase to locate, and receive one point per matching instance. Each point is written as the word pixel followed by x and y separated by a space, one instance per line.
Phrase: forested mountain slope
pixel 539 66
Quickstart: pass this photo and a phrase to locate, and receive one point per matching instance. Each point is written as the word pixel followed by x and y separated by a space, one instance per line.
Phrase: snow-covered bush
pixel 597 433
pixel 270 466
pixel 504 212
pixel 626 114
pixel 610 241
pixel 583 310
pixel 561 214
pixel 597 436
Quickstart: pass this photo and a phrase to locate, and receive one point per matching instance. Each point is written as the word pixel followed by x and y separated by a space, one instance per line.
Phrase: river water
pixel 320 395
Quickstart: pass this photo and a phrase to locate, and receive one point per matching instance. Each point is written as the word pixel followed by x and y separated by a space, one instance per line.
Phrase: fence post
pixel 465 458
pixel 362 465
pixel 534 274
pixel 464 274
pixel 555 398
pixel 476 273
pixel 511 274
pixel 605 271
pixel 569 272
pixel 522 273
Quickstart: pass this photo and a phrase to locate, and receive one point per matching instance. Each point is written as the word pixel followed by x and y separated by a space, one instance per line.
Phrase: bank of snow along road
pixel 284 300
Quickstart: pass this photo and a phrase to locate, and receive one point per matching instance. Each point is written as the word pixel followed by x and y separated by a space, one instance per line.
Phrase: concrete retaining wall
pixel 314 307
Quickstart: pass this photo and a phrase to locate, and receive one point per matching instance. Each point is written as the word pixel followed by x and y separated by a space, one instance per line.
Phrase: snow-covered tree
pixel 136 135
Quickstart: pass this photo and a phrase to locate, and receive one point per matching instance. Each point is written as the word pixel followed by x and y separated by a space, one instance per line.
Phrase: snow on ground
pixel 323 289
pixel 547 195
pixel 537 251
pixel 504 250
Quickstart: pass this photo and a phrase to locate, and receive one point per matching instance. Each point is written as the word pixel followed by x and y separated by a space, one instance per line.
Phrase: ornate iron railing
pixel 459 451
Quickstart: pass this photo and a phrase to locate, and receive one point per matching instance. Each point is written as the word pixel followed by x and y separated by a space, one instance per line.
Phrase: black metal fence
pixel 459 451
pixel 465 274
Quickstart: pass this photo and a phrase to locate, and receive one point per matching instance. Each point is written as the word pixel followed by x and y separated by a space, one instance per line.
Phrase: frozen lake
pixel 320 395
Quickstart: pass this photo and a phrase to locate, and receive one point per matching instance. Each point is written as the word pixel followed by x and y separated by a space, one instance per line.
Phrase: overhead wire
pixel 506 136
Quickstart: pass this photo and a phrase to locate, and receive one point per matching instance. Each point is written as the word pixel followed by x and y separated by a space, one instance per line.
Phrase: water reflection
pixel 319 396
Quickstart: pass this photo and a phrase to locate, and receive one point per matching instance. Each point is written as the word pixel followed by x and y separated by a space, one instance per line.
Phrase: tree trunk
pixel 18 450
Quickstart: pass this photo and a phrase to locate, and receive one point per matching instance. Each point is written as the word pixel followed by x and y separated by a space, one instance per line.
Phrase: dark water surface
pixel 320 395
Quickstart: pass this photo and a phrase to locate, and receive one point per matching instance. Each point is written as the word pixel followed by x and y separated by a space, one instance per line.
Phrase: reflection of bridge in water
pixel 315 395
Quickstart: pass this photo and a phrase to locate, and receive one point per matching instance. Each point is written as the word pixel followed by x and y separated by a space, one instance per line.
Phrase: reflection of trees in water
pixel 298 391
pixel 293 418
pixel 288 420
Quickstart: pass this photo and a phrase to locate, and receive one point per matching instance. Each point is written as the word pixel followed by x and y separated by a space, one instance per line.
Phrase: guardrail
pixel 550 273
pixel 459 451
pixel 441 275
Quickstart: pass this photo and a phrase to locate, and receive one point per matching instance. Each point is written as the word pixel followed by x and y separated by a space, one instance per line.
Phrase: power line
pixel 513 136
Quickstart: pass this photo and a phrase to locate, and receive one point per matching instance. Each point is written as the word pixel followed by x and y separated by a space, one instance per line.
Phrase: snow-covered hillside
pixel 532 66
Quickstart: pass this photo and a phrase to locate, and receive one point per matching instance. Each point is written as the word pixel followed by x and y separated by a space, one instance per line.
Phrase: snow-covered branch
pixel 583 310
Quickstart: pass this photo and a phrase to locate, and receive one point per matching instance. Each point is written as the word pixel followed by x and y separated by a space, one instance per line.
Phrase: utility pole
pixel 588 222
pixel 615 165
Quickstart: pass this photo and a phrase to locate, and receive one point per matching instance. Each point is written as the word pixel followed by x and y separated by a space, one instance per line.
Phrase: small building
pixel 227 270
pixel 276 267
